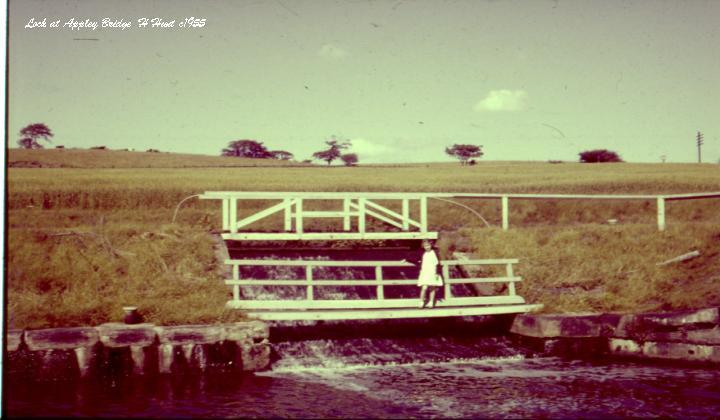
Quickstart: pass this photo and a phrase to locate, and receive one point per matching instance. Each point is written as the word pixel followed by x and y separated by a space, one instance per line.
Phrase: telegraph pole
pixel 699 145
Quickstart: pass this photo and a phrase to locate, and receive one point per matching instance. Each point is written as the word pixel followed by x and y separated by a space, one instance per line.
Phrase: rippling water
pixel 393 378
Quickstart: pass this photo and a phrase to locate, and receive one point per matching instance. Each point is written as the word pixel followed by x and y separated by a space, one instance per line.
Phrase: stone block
pixel 13 340
pixel 252 330
pixel 667 322
pixel 190 334
pixel 682 351
pixel 671 326
pixel 706 336
pixel 117 334
pixel 61 338
pixel 665 350
pixel 710 336
pixel 565 325
pixel 685 318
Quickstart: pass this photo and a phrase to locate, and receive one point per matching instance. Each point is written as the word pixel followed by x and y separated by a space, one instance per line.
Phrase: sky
pixel 528 80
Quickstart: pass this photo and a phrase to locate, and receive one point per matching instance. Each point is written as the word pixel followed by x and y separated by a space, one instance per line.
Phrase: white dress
pixel 428 274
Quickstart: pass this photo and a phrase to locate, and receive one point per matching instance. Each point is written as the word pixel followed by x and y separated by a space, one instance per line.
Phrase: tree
pixel 350 159
pixel 599 156
pixel 463 152
pixel 30 135
pixel 334 150
pixel 247 149
pixel 281 155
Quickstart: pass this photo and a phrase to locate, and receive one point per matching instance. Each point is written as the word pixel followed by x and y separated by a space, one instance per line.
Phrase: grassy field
pixel 87 240
pixel 83 158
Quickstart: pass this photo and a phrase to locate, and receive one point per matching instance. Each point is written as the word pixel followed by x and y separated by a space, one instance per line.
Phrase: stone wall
pixel 692 336
pixel 140 349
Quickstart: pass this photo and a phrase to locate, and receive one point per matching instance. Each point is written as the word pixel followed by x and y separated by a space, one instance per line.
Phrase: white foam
pixel 330 365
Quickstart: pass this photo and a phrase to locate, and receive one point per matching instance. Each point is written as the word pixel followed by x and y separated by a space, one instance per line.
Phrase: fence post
pixel 405 214
pixel 379 278
pixel 309 278
pixel 346 216
pixel 661 213
pixel 288 214
pixel 511 284
pixel 505 212
pixel 446 277
pixel 361 214
pixel 423 214
pixel 233 215
pixel 226 214
pixel 299 215
pixel 236 287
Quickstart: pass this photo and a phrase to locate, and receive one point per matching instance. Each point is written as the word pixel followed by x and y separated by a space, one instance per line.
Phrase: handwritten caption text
pixel 74 24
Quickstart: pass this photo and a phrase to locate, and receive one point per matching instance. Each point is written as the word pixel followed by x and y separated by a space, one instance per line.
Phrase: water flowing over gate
pixel 401 217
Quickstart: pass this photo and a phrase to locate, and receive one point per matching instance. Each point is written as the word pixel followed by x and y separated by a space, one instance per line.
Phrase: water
pixel 457 368
pixel 420 377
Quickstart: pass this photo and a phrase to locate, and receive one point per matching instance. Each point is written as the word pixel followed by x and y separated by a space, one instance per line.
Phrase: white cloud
pixel 332 51
pixel 503 100
pixel 368 150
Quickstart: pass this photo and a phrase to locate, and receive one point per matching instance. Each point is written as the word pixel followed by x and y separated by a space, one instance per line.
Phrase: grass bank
pixel 73 268
pixel 605 268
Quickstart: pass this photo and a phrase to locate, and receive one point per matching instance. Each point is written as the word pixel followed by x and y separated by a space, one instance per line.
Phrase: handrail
pixel 480 262
pixel 230 199
pixel 385 282
pixel 319 263
pixel 395 195
pixel 312 195
pixel 348 263
pixel 379 281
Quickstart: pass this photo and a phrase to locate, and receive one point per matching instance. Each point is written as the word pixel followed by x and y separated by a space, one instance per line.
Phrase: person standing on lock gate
pixel 429 279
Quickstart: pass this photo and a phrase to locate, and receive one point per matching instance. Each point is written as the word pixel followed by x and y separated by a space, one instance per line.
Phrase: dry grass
pixel 69 267
pixel 82 243
pixel 605 268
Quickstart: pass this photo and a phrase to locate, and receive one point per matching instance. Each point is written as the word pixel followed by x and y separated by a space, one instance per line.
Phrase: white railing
pixel 359 206
pixel 362 205
pixel 309 282
pixel 659 199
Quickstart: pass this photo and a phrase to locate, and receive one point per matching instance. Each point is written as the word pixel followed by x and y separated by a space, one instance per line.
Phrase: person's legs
pixel 423 293
pixel 431 301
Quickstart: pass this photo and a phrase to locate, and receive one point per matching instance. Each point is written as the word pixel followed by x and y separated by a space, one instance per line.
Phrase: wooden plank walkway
pixel 354 314
pixel 353 304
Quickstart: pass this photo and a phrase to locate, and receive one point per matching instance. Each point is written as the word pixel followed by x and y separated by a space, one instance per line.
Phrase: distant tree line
pixel 599 156
pixel 255 150
pixel 32 135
